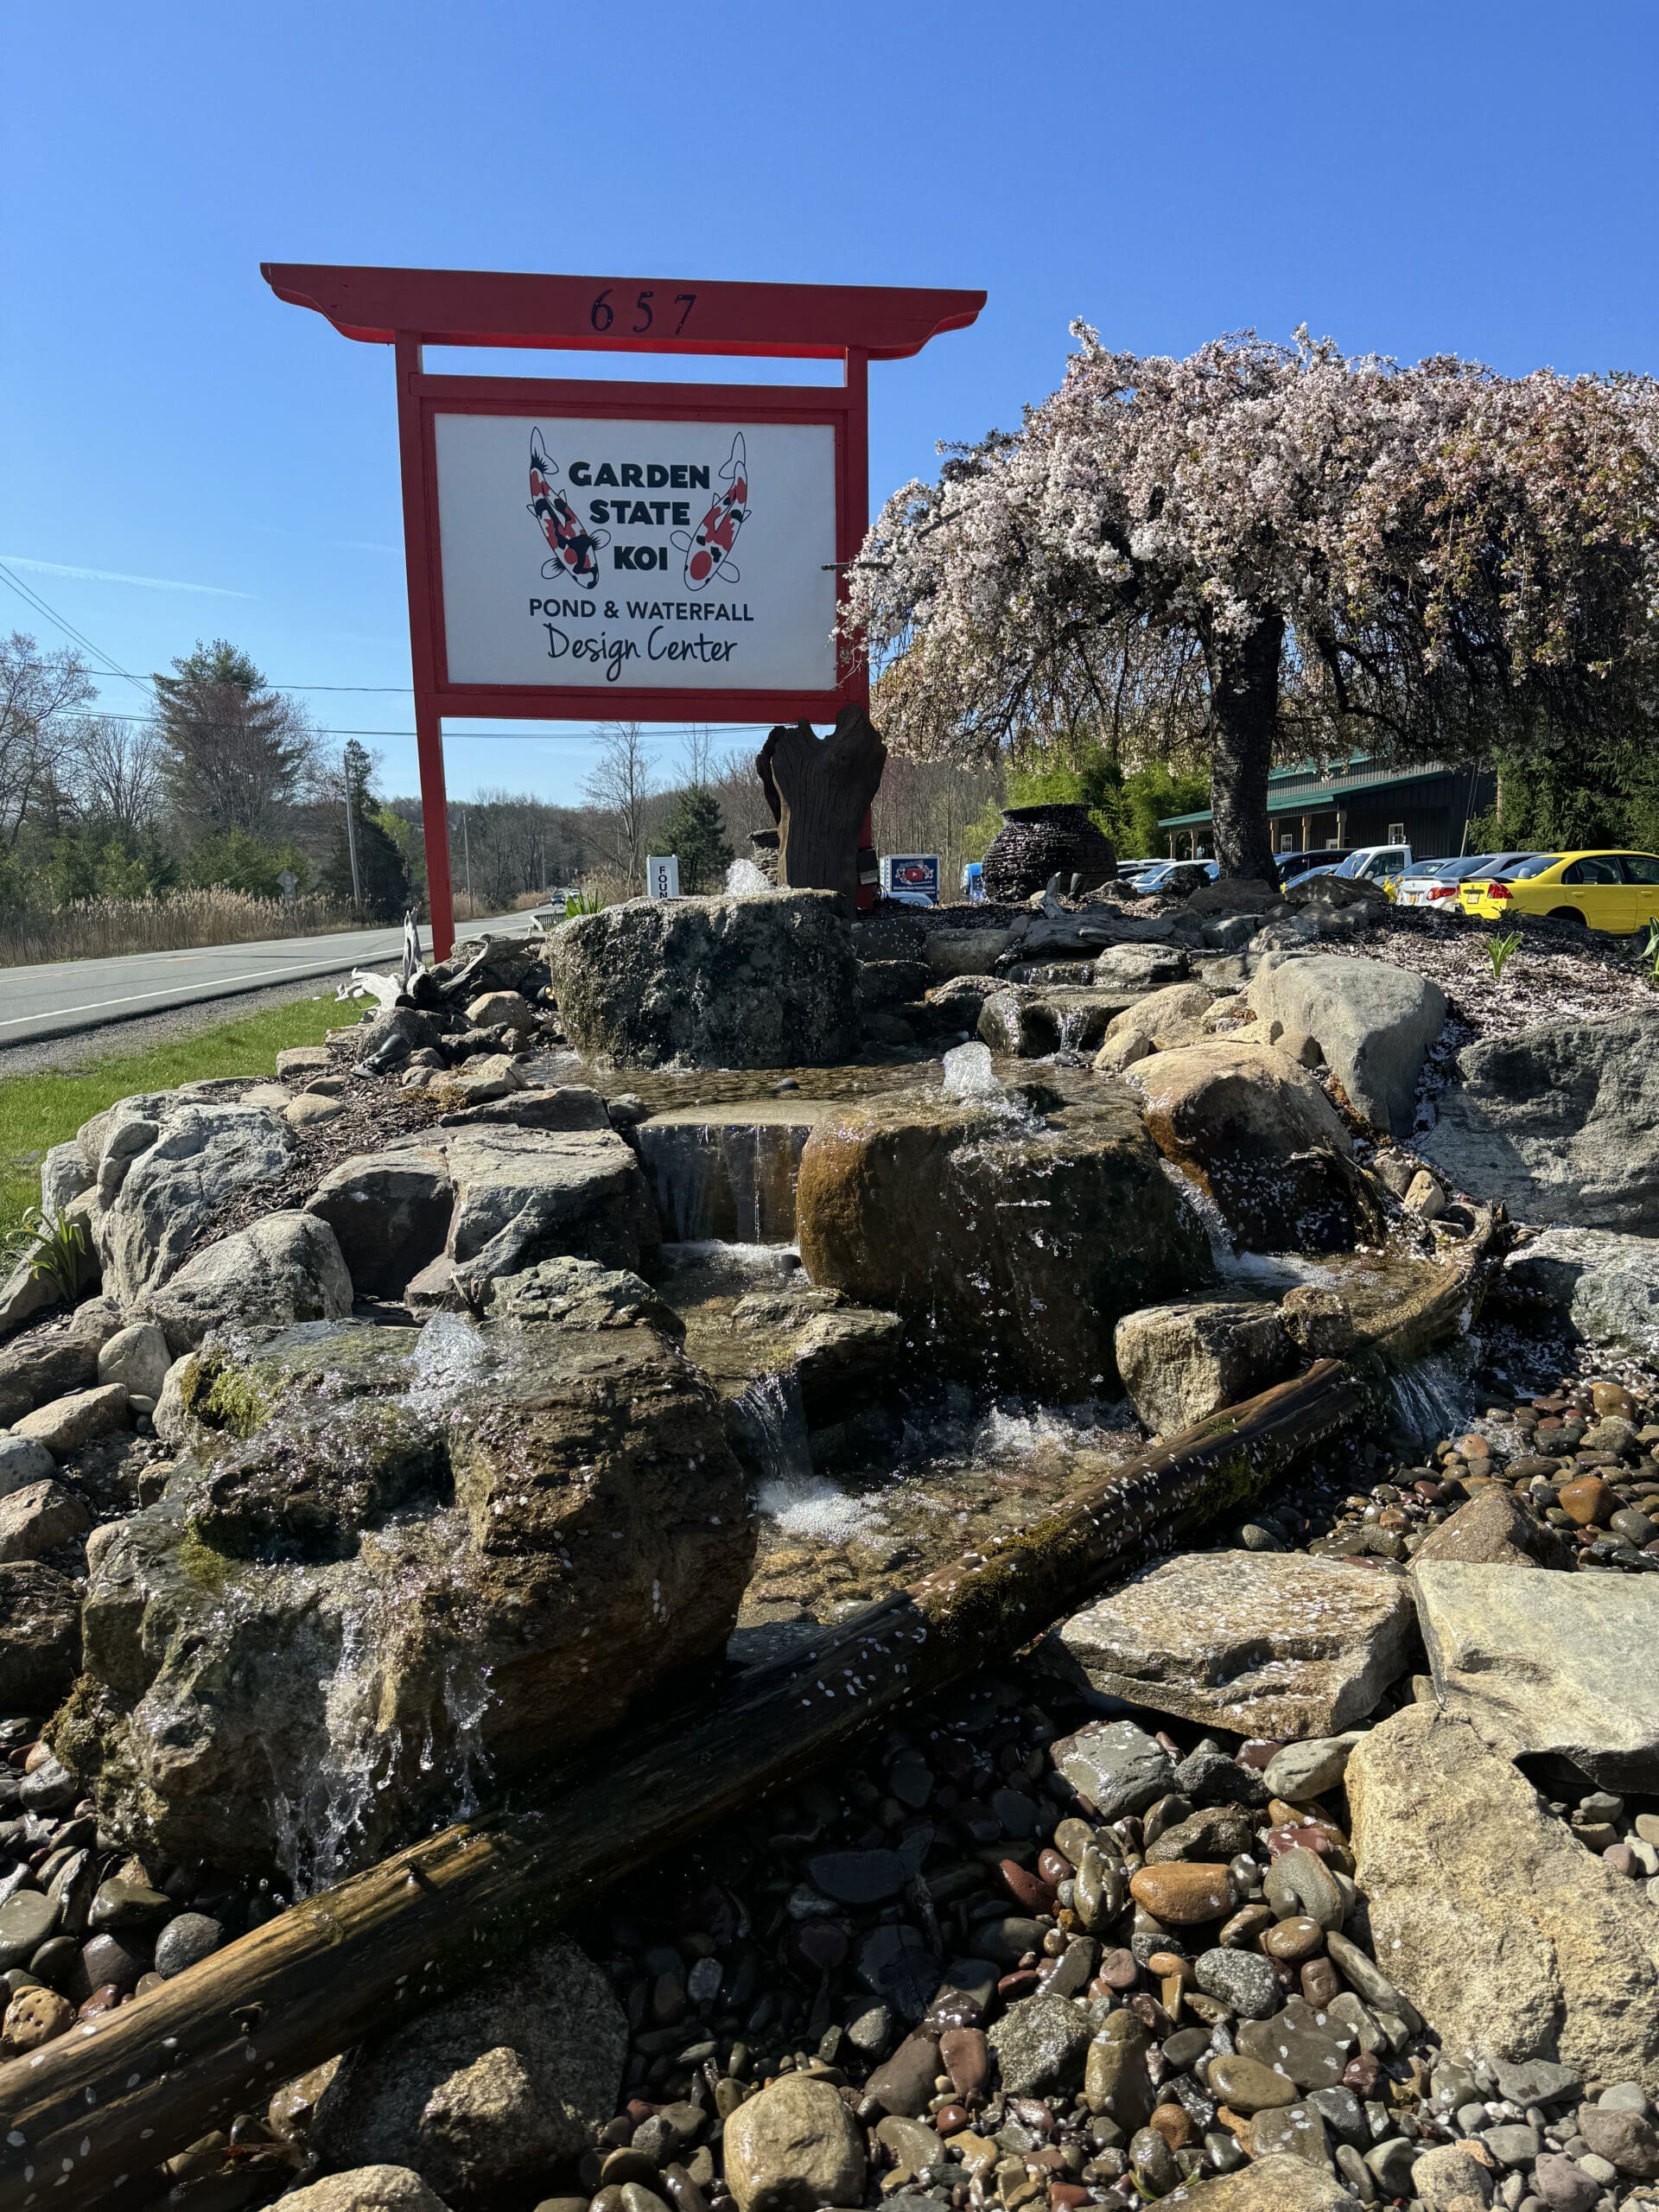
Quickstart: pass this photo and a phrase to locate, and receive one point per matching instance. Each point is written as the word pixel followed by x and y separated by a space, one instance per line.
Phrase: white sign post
pixel 663 875
pixel 670 555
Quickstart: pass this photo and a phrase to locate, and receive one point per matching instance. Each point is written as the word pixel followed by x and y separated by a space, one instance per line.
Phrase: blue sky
pixel 1474 178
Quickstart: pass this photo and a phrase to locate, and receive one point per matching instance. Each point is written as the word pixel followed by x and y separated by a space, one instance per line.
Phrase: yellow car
pixel 1605 890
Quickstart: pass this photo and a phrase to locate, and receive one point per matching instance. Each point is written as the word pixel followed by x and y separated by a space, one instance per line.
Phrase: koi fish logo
pixel 575 550
pixel 708 549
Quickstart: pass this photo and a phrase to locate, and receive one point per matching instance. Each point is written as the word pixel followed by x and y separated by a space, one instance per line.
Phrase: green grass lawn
pixel 40 1110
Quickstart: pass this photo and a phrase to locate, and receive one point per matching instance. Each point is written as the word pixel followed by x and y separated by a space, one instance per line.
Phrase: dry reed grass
pixel 92 929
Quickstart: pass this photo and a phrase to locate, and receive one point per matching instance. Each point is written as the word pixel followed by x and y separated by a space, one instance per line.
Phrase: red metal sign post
pixel 412 308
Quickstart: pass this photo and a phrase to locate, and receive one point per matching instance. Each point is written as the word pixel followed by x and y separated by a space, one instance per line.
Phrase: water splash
pixel 968 1074
pixel 333 1823
pixel 450 1358
pixel 741 1264
pixel 745 880
pixel 789 1490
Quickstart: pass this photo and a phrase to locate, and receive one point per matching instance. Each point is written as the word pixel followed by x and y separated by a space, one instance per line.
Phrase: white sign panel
pixel 671 554
pixel 663 875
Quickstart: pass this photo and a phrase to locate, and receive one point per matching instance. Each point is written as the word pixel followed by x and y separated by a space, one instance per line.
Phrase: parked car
pixel 1375 863
pixel 1291 865
pixel 1605 890
pixel 1157 878
pixel 1435 883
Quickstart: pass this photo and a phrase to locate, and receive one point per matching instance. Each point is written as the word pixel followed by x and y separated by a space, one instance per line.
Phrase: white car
pixel 1374 863
pixel 1434 883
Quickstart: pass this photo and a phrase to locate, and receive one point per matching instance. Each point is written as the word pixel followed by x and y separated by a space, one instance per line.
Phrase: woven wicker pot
pixel 1036 842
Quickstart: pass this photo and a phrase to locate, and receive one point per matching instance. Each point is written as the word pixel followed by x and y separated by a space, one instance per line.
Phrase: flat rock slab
pixel 1536 1662
pixel 1512 1940
pixel 1265 1643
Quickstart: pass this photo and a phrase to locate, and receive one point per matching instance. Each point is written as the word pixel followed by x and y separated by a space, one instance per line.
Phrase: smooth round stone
pixel 1563 2187
pixel 1175 2124
pixel 1242 1981
pixel 27 1918
pixel 1514 2145
pixel 1240 1932
pixel 1072 1838
pixel 1587 1501
pixel 1153 2162
pixel 1184 1892
pixel 105 1961
pixel 1618 2096
pixel 1247 2085
pixel 1320 1983
pixel 1185 2048
pixel 54 1961
pixel 118 1904
pixel 1635 1527
pixel 188 1939
pixel 1293 1940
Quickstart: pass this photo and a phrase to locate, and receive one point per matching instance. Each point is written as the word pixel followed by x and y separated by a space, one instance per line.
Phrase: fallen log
pixel 86 2119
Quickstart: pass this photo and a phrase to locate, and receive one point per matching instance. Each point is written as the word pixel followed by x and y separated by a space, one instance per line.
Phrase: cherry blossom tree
pixel 1270 550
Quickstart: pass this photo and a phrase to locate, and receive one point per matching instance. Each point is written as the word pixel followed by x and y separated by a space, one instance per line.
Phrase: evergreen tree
pixel 233 751
pixel 695 832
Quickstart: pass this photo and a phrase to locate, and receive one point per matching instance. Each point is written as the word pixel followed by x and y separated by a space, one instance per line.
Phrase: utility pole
pixel 466 849
pixel 350 833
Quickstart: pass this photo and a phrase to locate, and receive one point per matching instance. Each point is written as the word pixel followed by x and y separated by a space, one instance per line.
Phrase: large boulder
pixel 166 1164
pixel 523 1195
pixel 1156 1023
pixel 1558 1663
pixel 1374 1023
pixel 281 1270
pixel 389 1211
pixel 393 1561
pixel 767 982
pixel 1561 1124
pixel 1257 1135
pixel 491 2089
pixel 40 1636
pixel 1181 1363
pixel 1265 1644
pixel 1510 1938
pixel 1016 1237
pixel 366 2189
pixel 1602 1286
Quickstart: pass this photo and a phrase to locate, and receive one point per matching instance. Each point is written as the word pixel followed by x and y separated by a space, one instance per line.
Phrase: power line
pixel 503 737
pixel 405 691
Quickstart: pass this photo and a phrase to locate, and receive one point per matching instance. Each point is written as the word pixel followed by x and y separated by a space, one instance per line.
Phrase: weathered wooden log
pixel 85 2121
pixel 819 790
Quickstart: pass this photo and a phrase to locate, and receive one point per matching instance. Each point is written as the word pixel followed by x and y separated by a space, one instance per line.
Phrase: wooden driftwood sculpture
pixel 819 791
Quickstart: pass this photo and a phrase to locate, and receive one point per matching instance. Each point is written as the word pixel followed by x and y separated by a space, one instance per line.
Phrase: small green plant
pixel 581 902
pixel 54 1252
pixel 1649 954
pixel 1500 950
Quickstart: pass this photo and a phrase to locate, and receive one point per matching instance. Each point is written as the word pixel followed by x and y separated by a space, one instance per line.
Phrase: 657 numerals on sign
pixel 602 315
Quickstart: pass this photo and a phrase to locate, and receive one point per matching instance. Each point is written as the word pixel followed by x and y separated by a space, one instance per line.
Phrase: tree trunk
pixel 92 2113
pixel 820 790
pixel 1245 699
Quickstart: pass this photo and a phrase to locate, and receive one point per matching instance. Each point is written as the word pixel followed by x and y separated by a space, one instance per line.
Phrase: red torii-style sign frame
pixel 412 308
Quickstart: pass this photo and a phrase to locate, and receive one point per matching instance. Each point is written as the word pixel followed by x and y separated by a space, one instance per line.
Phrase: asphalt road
pixel 66 996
